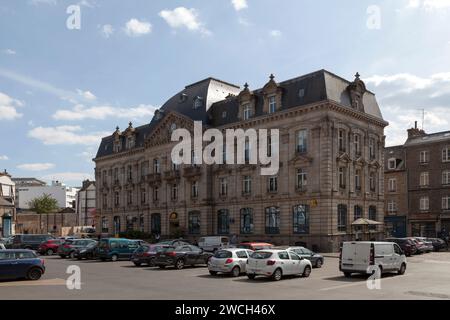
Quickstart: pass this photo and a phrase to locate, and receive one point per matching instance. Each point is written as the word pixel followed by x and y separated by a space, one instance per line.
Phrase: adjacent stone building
pixel 85 204
pixel 331 165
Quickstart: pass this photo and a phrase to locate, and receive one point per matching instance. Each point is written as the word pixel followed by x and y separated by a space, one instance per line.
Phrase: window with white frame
pixel 424 203
pixel 272 184
pixel 341 140
pixel 247 184
pixel 358 179
pixel 446 177
pixel 392 164
pixel 424 156
pixel 247 150
pixel 446 154
pixel 156 166
pixel 341 173
pixel 392 184
pixel 446 203
pixel 372 181
pixel 130 142
pixel 424 179
pixel 302 178
pixel 247 112
pixel 272 104
pixel 302 137
pixel 392 206
pixel 372 148
pixel 223 186
pixel 357 144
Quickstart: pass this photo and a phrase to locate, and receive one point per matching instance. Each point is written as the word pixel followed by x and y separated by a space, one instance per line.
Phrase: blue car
pixel 16 264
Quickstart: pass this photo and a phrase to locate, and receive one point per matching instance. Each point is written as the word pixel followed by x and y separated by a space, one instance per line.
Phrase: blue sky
pixel 61 90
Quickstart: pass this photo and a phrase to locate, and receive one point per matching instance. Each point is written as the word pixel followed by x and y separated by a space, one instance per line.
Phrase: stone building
pixel 331 165
pixel 396 192
pixel 85 204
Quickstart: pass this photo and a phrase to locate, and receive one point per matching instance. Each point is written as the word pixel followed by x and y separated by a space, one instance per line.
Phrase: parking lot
pixel 427 277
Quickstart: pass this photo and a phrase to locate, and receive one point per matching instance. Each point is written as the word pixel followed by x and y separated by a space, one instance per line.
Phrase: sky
pixel 68 77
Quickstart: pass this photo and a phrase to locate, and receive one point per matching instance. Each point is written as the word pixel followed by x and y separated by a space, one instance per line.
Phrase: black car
pixel 146 254
pixel 438 244
pixel 181 256
pixel 16 264
pixel 174 242
pixel 88 252
pixel 29 241
pixel 408 246
pixel 68 248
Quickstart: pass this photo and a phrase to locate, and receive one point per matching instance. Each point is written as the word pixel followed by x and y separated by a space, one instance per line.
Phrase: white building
pixel 7 205
pixel 65 196
pixel 85 204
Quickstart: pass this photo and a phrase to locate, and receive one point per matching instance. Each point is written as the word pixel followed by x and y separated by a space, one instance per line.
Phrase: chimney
pixel 415 132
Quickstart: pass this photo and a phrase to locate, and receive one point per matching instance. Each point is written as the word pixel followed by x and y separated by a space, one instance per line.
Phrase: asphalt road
pixel 427 277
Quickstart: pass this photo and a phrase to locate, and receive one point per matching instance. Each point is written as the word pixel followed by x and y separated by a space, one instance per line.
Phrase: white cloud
pixel 9 51
pixel 136 28
pixel 4 158
pixel 66 135
pixel 35 166
pixel 86 95
pixel 73 178
pixel 403 97
pixel 275 33
pixel 107 31
pixel 239 4
pixel 37 2
pixel 81 112
pixel 428 4
pixel 182 17
pixel 8 107
pixel 244 22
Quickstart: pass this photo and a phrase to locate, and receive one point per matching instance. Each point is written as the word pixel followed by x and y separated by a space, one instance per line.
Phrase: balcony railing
pixel 190 172
pixel 172 175
pixel 154 178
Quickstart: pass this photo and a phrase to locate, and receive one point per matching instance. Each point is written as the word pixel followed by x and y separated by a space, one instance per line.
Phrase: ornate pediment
pixel 271 87
pixel 357 89
pixel 343 157
pixel 360 162
pixel 162 133
pixel 301 158
pixel 374 164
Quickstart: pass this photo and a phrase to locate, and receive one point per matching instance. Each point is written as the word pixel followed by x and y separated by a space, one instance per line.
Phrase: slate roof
pixel 429 138
pixel 215 96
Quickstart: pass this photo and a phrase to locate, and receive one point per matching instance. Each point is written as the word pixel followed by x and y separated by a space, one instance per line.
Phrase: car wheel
pixel 306 272
pixel 137 264
pixel 277 275
pixel 151 262
pixel 34 274
pixel 114 257
pixel 49 252
pixel 319 263
pixel 402 269
pixel 236 271
pixel 179 264
pixel 347 274
pixel 213 273
pixel 72 255
pixel 251 276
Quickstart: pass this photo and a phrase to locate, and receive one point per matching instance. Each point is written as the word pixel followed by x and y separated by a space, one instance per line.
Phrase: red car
pixel 49 247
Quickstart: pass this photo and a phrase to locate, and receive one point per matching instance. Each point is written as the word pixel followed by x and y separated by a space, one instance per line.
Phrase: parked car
pixel 438 244
pixel 16 264
pixel 88 252
pixel 146 254
pixel 114 249
pixel 359 256
pixel 69 247
pixel 231 261
pixel 315 258
pixel 2 246
pixel 181 256
pixel 50 247
pixel 29 241
pixel 255 245
pixel 407 245
pixel 427 243
pixel 175 242
pixel 214 243
pixel 276 264
pixel 420 245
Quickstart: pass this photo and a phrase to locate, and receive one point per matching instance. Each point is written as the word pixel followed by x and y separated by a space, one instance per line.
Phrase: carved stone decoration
pixel 163 132
pixel 357 89
pixel 271 89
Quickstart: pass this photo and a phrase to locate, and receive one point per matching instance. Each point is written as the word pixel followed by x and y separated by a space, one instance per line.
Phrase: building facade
pixel 331 165
pixel 85 204
pixel 7 205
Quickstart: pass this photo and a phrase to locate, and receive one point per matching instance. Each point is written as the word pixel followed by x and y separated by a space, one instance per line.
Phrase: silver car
pixel 231 261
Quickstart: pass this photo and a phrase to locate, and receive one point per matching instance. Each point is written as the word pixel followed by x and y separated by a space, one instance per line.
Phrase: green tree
pixel 44 204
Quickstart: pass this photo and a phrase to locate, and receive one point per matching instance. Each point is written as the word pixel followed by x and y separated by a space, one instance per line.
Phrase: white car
pixel 214 243
pixel 366 257
pixel 232 261
pixel 276 264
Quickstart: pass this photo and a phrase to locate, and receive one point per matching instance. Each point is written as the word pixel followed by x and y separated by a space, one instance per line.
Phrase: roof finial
pixel 130 124
pixel 357 76
pixel 246 85
pixel 271 77
pixel 117 128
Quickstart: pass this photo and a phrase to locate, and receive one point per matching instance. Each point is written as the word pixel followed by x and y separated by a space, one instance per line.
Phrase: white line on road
pixel 354 284
pixel 48 282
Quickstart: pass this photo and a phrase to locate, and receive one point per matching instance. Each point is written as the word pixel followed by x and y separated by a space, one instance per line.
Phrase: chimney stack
pixel 415 132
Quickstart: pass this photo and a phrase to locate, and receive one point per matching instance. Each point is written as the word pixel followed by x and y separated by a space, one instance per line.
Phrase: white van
pixel 213 243
pixel 362 257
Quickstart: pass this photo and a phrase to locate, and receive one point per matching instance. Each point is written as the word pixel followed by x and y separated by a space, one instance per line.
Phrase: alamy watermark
pixel 73 282
pixel 239 146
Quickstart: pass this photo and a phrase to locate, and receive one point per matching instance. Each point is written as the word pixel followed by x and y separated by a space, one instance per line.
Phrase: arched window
pixel 223 222
pixel 194 222
pixel 301 219
pixel 247 220
pixel 342 218
pixel 272 220
pixel 357 212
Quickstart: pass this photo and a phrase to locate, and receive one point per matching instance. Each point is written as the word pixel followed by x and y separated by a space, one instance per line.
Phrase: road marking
pixel 48 282
pixel 354 284
pixel 429 294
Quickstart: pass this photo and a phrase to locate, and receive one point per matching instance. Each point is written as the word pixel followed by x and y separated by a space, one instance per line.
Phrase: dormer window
pixel 301 93
pixel 247 112
pixel 130 142
pixel 157 115
pixel 198 102
pixel 392 164
pixel 224 114
pixel 183 97
pixel 272 104
pixel 117 146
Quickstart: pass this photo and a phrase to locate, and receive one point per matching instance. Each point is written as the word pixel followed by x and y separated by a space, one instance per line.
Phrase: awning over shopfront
pixel 366 222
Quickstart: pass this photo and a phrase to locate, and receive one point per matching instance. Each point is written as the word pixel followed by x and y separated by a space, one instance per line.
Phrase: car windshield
pixel 261 255
pixel 92 244
pixel 165 249
pixel 223 254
